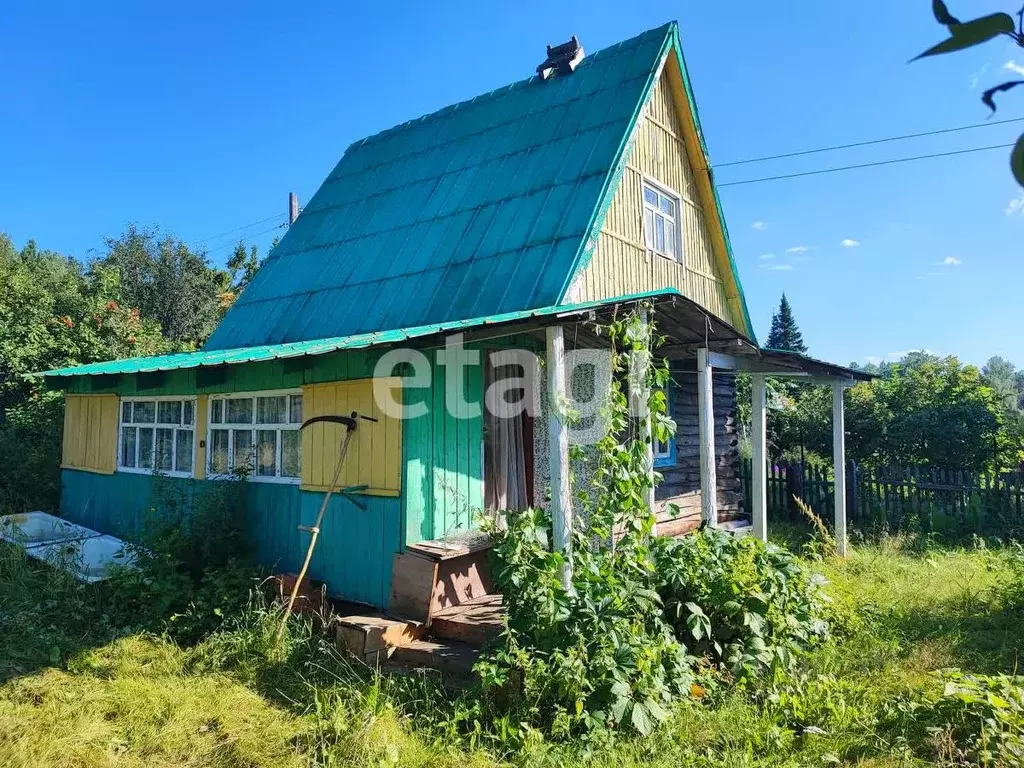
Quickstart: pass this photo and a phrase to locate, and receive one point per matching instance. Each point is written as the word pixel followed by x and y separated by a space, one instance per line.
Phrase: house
pixel 512 220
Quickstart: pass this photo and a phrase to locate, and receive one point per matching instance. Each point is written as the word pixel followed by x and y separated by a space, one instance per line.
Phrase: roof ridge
pixel 622 45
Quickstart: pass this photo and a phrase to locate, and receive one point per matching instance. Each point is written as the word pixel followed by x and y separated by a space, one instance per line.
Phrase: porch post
pixel 759 480
pixel 644 394
pixel 558 450
pixel 706 432
pixel 839 461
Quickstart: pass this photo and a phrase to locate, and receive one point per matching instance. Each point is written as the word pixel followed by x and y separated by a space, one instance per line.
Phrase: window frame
pixel 668 457
pixel 254 428
pixel 677 219
pixel 154 425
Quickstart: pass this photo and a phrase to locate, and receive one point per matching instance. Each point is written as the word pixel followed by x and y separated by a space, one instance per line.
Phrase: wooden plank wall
pixel 90 433
pixel 374 456
pixel 681 484
pixel 353 554
pixel 443 459
pixel 621 263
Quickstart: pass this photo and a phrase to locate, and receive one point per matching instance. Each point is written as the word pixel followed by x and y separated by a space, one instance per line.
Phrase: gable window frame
pixel 186 422
pixel 671 221
pixel 217 407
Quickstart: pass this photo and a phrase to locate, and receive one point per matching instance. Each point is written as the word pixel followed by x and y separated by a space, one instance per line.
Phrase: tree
pixel 981 30
pixel 242 267
pixel 784 333
pixel 168 282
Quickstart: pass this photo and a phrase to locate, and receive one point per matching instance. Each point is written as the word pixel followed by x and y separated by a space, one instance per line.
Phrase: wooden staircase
pixel 442 610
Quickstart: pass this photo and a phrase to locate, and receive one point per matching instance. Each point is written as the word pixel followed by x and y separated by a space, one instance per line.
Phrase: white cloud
pixel 1013 66
pixel 949 261
pixel 758 225
pixel 850 243
pixel 1015 206
pixel 798 249
pixel 780 267
pixel 766 256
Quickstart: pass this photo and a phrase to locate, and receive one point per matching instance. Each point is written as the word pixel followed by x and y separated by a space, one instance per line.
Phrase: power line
pixel 868 143
pixel 863 165
pixel 258 234
pixel 236 229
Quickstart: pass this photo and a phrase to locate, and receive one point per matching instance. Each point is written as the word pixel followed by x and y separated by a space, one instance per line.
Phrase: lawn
pixel 79 687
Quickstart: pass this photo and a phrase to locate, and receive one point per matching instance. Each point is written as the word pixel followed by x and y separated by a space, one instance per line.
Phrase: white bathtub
pixel 31 529
pixel 87 559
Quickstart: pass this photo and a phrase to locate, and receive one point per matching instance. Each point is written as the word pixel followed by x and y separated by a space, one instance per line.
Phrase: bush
pixel 30 446
pixel 193 566
pixel 750 606
pixel 599 656
pixel 968 718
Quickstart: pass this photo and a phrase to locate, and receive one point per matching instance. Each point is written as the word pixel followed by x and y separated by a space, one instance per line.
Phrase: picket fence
pixel 899 498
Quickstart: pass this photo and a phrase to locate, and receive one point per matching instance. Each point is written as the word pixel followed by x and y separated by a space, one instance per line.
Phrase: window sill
pixel 162 473
pixel 255 479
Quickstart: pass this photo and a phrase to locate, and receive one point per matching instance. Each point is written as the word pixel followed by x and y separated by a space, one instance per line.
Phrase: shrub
pixel 747 605
pixel 1010 588
pixel 193 566
pixel 968 718
pixel 599 656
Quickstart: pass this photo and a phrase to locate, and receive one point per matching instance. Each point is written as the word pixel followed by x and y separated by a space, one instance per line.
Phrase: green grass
pixel 78 689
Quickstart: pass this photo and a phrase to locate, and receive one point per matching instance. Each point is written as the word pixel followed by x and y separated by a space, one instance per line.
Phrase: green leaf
pixel 987 96
pixel 640 720
pixel 942 14
pixel 1017 161
pixel 973 33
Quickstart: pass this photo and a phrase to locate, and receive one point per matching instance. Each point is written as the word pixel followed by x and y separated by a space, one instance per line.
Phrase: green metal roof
pixel 323 346
pixel 479 209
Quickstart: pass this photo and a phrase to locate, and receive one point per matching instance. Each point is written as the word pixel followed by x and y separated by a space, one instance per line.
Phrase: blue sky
pixel 201 117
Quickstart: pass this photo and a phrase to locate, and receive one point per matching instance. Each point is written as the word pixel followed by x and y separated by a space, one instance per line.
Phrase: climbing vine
pixel 599 654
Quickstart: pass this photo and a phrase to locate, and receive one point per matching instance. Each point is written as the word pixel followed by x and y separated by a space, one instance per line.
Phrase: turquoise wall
pixel 442 474
pixel 353 553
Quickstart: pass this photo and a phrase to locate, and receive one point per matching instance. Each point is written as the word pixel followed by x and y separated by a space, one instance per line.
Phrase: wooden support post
pixel 558 450
pixel 706 431
pixel 759 481
pixel 839 461
pixel 293 208
pixel 645 412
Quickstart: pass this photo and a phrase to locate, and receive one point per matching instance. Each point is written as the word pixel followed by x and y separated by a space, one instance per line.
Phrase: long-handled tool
pixel 349 422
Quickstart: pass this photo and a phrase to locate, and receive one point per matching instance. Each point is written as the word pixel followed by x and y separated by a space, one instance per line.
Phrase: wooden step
pixel 473 622
pixel 453 659
pixel 374 638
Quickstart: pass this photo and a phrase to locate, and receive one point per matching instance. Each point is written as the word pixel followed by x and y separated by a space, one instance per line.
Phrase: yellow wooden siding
pixel 375 453
pixel 199 460
pixel 621 263
pixel 90 433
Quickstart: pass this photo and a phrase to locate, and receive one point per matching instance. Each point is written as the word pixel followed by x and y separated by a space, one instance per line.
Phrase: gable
pixel 478 209
pixel 661 150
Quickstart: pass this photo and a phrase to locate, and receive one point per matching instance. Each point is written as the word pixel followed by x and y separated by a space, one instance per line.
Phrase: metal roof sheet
pixel 478 209
pixel 323 346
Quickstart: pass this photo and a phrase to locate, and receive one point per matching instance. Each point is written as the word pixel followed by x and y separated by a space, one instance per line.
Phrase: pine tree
pixel 784 333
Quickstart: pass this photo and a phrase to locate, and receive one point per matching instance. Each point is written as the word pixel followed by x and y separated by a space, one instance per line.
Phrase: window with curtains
pixel 157 434
pixel 256 435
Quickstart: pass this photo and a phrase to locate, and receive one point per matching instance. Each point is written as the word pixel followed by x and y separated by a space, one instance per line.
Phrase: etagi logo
pixel 514 384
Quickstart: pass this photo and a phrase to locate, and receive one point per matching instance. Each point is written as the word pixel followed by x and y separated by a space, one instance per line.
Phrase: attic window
pixel 662 233
pixel 562 59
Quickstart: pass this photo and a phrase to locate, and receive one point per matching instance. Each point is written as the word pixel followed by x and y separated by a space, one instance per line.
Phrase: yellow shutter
pixel 199 460
pixel 375 453
pixel 90 433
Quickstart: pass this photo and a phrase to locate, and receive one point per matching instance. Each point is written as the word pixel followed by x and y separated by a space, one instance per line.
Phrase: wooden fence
pixel 899 498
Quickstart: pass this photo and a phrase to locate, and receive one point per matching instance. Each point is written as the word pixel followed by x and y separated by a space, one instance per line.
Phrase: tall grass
pixel 79 690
